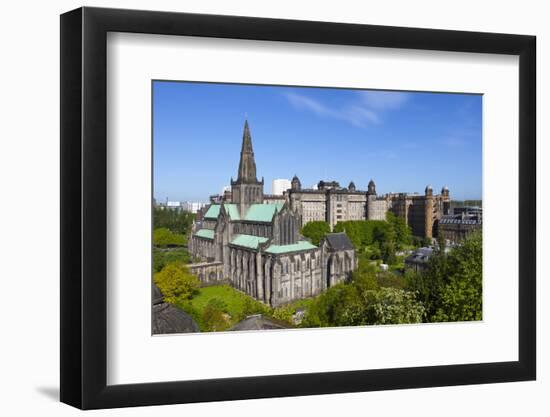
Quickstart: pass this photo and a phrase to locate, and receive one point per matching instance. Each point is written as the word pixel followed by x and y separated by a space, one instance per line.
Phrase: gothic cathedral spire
pixel 247 190
pixel 247 165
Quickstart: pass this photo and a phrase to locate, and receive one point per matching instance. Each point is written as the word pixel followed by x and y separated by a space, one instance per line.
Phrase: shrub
pixel 215 316
pixel 163 237
pixel 175 281
pixel 161 258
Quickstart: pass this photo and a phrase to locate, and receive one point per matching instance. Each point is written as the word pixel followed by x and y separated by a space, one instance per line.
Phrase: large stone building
pixel 255 244
pixel 332 203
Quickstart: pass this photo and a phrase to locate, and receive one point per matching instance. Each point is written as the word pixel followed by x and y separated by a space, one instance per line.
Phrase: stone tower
pixel 371 199
pixel 428 212
pixel 247 190
pixel 295 184
pixel 446 199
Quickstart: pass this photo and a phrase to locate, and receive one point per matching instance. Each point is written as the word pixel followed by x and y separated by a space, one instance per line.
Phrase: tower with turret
pixel 428 211
pixel 371 199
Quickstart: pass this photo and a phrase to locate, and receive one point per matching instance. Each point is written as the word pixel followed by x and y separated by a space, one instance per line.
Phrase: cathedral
pixel 254 243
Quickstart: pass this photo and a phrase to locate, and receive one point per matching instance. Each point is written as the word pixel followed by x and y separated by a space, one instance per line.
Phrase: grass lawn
pixel 232 298
pixel 236 304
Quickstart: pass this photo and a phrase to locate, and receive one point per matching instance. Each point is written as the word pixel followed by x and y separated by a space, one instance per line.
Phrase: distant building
pixel 279 186
pixel 418 260
pixel 469 211
pixel 193 206
pixel 332 203
pixel 454 228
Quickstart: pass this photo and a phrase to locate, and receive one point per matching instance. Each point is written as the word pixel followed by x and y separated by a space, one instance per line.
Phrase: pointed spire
pixel 247 165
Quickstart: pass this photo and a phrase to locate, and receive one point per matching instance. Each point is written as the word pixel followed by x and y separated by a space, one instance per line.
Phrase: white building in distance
pixel 279 186
pixel 193 206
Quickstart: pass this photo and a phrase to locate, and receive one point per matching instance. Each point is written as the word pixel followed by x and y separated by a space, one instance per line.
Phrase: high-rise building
pixel 279 186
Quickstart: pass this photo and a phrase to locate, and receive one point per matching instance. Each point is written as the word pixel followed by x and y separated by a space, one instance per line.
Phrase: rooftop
pixel 259 322
pixel 205 233
pixel 170 319
pixel 339 241
pixel 248 241
pixel 212 212
pixel 262 212
pixel 256 212
pixel 420 255
pixel 295 247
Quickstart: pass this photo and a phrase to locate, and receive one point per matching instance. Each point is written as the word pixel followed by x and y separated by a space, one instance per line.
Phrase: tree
pixel 177 221
pixel 163 237
pixel 284 313
pixel 451 287
pixel 388 252
pixel 161 258
pixel 461 297
pixel 390 279
pixel 400 229
pixel 176 282
pixel 251 306
pixel 392 306
pixel 215 316
pixel 364 277
pixel 316 231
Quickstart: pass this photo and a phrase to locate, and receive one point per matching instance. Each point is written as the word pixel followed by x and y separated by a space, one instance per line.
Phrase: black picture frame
pixel 84 207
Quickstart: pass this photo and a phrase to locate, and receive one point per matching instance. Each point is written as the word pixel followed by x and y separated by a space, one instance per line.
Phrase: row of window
pixel 284 291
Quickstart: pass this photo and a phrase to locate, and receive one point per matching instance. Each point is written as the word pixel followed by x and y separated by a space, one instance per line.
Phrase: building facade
pixel 332 203
pixel 254 243
pixel 454 228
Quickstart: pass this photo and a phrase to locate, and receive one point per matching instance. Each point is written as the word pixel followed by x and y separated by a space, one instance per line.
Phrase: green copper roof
pixel 262 212
pixel 248 241
pixel 232 210
pixel 212 212
pixel 295 247
pixel 207 233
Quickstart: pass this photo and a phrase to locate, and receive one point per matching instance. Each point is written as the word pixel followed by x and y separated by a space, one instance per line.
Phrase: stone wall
pixel 209 273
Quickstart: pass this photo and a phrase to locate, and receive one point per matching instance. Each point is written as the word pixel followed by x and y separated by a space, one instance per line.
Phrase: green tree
pixel 316 231
pixel 215 317
pixel 461 297
pixel 176 282
pixel 392 306
pixel 163 237
pixel 390 279
pixel 388 252
pixel 251 306
pixel 284 313
pixel 451 287
pixel 178 221
pixel 400 229
pixel 161 257
pixel 364 277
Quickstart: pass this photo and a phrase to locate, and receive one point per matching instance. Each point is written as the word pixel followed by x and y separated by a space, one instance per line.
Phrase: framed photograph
pixel 256 208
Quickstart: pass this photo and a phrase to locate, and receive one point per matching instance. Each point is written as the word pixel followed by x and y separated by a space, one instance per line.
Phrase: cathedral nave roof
pixel 294 247
pixel 248 241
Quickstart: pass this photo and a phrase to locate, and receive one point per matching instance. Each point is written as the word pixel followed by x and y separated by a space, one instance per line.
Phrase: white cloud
pixel 384 100
pixel 355 114
pixel 362 112
pixel 302 102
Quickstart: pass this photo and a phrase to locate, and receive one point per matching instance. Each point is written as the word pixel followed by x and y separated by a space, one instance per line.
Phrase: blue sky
pixel 402 140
